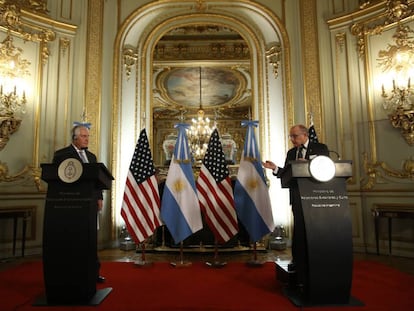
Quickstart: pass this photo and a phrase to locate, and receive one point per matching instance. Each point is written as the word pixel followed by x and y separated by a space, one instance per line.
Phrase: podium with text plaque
pixel 70 232
pixel 323 202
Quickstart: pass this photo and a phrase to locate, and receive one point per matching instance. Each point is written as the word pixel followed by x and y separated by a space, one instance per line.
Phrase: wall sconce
pixel 12 98
pixel 398 61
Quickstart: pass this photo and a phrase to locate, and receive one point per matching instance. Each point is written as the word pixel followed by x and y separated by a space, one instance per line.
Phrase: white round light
pixel 322 168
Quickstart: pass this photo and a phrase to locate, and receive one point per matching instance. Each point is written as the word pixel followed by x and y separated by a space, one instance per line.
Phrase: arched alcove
pixel 267 85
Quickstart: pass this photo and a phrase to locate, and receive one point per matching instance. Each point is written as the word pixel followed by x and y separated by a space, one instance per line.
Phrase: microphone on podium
pixel 336 153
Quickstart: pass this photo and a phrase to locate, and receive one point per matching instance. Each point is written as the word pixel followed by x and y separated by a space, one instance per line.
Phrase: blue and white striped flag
pixel 251 194
pixel 180 209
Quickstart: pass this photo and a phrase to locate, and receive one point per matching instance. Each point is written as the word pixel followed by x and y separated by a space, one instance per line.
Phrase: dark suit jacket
pixel 313 149
pixel 70 152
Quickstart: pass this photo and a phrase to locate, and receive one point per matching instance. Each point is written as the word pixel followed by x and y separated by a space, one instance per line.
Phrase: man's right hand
pixel 269 165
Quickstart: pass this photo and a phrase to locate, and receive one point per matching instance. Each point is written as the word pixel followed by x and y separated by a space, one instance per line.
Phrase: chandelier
pixel 200 130
pixel 12 97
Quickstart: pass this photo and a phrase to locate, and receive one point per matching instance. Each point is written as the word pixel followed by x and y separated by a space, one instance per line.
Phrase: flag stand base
pixel 143 264
pixel 216 264
pixel 181 264
pixel 254 262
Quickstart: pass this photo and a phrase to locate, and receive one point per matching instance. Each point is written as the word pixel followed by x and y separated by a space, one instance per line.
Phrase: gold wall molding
pixel 129 57
pixel 311 67
pixel 273 55
pixel 388 14
pixel 29 20
pixel 380 170
pixel 4 173
pixel 93 75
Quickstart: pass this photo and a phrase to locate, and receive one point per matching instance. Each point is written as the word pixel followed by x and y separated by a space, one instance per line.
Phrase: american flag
pixel 312 134
pixel 215 192
pixel 141 203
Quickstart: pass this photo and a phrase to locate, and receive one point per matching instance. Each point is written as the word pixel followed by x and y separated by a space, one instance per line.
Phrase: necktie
pixel 300 153
pixel 83 156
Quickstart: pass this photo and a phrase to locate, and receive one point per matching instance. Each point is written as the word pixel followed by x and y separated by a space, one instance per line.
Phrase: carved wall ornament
pixel 225 44
pixel 390 58
pixel 367 3
pixel 130 57
pixel 397 10
pixel 362 31
pixel 340 41
pixel 201 6
pixel 380 170
pixel 9 54
pixel 64 45
pixel 12 14
pixel 273 55
pixel 8 125
pixel 4 173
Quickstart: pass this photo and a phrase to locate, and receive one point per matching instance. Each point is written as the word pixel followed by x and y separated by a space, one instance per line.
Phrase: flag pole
pixel 142 262
pixel 182 263
pixel 216 263
pixel 255 262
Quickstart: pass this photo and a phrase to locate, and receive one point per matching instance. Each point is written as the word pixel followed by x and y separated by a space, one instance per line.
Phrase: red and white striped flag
pixel 215 192
pixel 141 203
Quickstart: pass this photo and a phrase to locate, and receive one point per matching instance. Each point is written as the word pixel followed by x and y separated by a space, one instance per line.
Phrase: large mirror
pixel 201 74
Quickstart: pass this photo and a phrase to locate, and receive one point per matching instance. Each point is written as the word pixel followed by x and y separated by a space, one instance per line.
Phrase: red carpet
pixel 198 287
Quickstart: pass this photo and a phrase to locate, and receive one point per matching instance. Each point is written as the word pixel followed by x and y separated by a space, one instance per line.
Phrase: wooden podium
pixel 328 231
pixel 70 231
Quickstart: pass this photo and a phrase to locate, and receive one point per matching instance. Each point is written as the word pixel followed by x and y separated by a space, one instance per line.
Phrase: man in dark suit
pixel 79 150
pixel 303 150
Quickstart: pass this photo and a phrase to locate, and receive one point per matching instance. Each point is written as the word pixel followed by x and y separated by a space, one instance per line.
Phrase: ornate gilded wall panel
pixel 310 56
pixel 93 71
pixel 35 34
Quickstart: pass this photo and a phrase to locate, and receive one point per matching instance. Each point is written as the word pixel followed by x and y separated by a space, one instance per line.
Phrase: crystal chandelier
pixel 12 96
pixel 200 130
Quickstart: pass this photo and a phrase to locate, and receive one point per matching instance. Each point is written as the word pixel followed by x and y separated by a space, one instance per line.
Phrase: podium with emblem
pixel 70 231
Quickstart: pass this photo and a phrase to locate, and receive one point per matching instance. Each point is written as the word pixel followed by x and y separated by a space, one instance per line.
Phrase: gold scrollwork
pixel 130 57
pixel 340 41
pixel 395 11
pixel 200 6
pixel 380 169
pixel 8 125
pixel 11 18
pixel 4 173
pixel 273 54
pixel 361 32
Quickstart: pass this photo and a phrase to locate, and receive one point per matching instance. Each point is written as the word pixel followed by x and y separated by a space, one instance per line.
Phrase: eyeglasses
pixel 293 136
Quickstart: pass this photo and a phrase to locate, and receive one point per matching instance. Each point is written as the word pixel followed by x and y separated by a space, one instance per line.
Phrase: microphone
pixel 336 153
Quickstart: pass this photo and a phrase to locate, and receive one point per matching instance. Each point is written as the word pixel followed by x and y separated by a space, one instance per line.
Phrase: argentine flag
pixel 180 209
pixel 251 194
